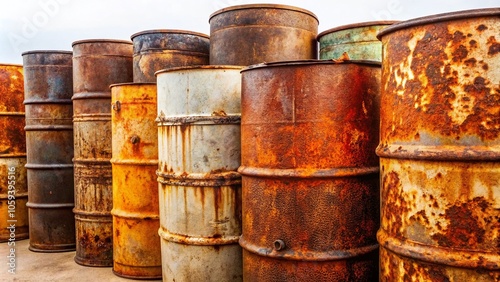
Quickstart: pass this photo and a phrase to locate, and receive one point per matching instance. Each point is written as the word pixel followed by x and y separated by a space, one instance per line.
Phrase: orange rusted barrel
pixel 13 186
pixel 440 148
pixel 166 48
pixel 96 65
pixel 255 33
pixel 200 190
pixel 136 244
pixel 48 88
pixel 358 40
pixel 310 182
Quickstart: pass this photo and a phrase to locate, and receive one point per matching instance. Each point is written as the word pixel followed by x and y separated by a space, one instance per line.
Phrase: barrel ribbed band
pixel 440 153
pixel 79 117
pixel 134 215
pixel 32 205
pixel 21 114
pixel 18 195
pixel 48 166
pixel 139 162
pixel 291 254
pixel 439 255
pixel 46 101
pixel 83 215
pixel 198 120
pixel 225 178
pixel 49 127
pixel 197 241
pixel 308 173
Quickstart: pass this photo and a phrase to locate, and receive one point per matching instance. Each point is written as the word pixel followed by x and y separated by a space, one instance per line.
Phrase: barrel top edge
pixel 47 52
pixel 355 25
pixel 101 41
pixel 177 31
pixel 310 62
pixel 131 84
pixel 200 67
pixel 455 15
pixel 266 6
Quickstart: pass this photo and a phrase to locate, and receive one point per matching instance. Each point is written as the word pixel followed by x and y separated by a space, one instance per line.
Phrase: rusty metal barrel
pixel 48 89
pixel 96 65
pixel 166 48
pixel 310 175
pixel 199 187
pixel 255 33
pixel 440 148
pixel 136 244
pixel 13 186
pixel 358 40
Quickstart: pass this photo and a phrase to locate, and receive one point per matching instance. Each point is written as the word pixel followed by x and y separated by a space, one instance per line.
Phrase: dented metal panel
pixel 13 187
pixel 136 244
pixel 440 148
pixel 254 33
pixel 310 183
pixel 166 48
pixel 96 65
pixel 200 190
pixel 358 40
pixel 49 144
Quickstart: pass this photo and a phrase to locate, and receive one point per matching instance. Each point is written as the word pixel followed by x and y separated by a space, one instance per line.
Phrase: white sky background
pixel 54 24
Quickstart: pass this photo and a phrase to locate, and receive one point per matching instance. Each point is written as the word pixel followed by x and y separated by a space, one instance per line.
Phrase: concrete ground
pixel 54 267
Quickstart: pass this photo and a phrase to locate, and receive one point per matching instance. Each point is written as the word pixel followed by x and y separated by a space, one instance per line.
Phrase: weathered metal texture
pixel 440 148
pixel 166 48
pixel 255 33
pixel 358 40
pixel 310 183
pixel 12 155
pixel 96 65
pixel 136 244
pixel 200 190
pixel 48 86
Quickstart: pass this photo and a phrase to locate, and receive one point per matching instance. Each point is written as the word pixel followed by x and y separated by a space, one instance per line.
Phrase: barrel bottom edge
pixel 137 273
pixel 52 248
pixel 93 263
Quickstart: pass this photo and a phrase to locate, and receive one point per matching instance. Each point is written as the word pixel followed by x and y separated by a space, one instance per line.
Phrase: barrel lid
pixel 457 15
pixel 101 41
pixel 131 84
pixel 260 6
pixel 175 31
pixel 355 25
pixel 47 52
pixel 311 62
pixel 200 67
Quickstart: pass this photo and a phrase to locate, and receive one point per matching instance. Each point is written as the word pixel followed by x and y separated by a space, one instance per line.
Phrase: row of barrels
pixel 365 167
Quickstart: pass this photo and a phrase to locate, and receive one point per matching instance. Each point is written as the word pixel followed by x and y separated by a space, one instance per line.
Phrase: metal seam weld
pixel 197 241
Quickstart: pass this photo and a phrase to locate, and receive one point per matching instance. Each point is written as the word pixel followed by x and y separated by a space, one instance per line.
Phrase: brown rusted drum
pixel 255 33
pixel 48 88
pixel 310 183
pixel 96 65
pixel 136 244
pixel 199 188
pixel 166 48
pixel 440 148
pixel 13 185
pixel 358 40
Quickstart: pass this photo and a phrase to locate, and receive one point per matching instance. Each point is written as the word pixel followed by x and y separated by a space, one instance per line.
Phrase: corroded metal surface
pixel 199 153
pixel 49 145
pixel 310 183
pixel 166 48
pixel 358 40
pixel 136 244
pixel 255 33
pixel 13 186
pixel 440 148
pixel 96 65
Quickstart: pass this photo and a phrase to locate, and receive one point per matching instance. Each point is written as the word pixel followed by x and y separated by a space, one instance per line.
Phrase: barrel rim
pixel 10 65
pixel 463 14
pixel 266 6
pixel 309 63
pixel 131 84
pixel 83 41
pixel 355 25
pixel 178 31
pixel 199 67
pixel 47 52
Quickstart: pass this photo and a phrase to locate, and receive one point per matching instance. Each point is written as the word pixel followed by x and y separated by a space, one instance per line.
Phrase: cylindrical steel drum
pixel 96 65
pixel 166 48
pixel 13 186
pixel 136 244
pixel 440 148
pixel 358 40
pixel 255 33
pixel 310 183
pixel 200 190
pixel 48 86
